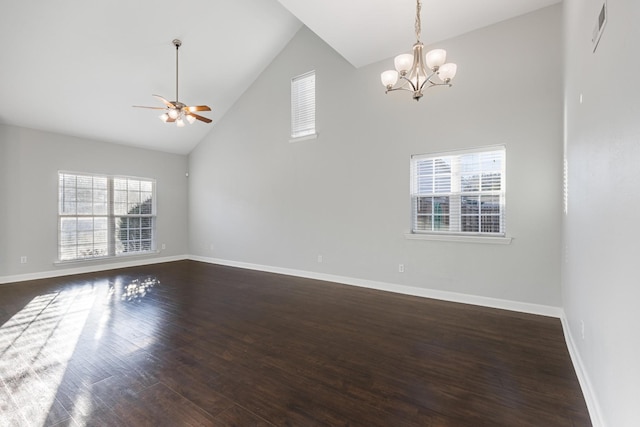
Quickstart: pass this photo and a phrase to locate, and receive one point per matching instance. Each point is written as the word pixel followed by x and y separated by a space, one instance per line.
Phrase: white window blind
pixel 303 105
pixel 459 193
pixel 101 216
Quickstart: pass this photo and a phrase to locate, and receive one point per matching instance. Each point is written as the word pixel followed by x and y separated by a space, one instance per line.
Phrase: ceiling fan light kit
pixel 412 74
pixel 176 111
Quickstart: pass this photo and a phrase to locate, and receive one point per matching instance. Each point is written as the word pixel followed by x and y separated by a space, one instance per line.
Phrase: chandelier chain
pixel 418 21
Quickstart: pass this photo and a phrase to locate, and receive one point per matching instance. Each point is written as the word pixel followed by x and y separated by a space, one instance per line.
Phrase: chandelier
pixel 412 74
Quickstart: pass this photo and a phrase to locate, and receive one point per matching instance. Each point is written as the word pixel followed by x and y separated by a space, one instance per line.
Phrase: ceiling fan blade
pixel 153 108
pixel 202 119
pixel 167 103
pixel 199 108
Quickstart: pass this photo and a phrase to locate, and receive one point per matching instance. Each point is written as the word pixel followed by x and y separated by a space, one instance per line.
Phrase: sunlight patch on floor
pixel 36 345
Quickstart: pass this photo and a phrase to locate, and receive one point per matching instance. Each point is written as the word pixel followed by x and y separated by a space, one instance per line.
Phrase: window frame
pixel 303 107
pixel 452 191
pixel 91 221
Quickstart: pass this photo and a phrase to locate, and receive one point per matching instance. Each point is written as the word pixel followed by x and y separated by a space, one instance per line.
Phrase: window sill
pixel 303 138
pixel 104 258
pixel 494 240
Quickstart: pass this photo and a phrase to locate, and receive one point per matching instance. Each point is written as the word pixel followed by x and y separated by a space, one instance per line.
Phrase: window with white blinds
pixel 459 193
pixel 303 105
pixel 102 216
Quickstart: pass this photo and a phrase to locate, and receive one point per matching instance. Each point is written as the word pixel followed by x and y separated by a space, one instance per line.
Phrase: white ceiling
pixel 76 67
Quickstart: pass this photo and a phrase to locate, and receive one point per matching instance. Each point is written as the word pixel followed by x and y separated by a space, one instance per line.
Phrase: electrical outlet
pixel 400 268
pixel 164 246
pixel 319 258
pixel 23 260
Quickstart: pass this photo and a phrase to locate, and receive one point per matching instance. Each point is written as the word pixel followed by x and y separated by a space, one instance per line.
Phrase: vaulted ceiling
pixel 76 67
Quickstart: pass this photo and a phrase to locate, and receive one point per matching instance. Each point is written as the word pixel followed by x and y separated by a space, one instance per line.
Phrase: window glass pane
pixel 470 183
pixel 490 223
pixel 146 207
pixel 491 181
pixel 133 185
pixel 425 184
pixel 84 182
pixel 490 204
pixel 469 205
pixel 470 223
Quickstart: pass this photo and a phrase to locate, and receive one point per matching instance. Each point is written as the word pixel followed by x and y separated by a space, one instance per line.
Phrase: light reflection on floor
pixel 134 290
pixel 38 343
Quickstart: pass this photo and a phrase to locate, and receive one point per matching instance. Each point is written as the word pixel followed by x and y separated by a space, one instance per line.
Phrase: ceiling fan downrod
pixel 177 43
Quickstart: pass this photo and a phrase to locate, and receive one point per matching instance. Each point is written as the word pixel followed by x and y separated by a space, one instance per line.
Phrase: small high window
pixel 303 105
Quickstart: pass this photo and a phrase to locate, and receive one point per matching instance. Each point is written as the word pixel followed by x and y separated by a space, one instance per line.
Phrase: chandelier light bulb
pixel 173 113
pixel 435 58
pixel 447 72
pixel 403 63
pixel 389 78
pixel 190 119
pixel 164 117
pixel 180 123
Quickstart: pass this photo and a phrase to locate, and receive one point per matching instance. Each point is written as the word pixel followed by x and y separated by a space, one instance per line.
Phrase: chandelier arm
pixel 428 80
pixel 413 87
pixel 393 89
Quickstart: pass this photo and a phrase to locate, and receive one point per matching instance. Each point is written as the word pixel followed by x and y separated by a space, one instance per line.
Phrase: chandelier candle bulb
pixel 415 72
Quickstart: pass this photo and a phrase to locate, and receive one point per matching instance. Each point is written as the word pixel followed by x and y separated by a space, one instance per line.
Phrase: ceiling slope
pixel 76 67
pixel 366 31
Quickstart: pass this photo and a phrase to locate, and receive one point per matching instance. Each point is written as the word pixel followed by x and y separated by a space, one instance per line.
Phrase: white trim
pixel 293 140
pixel 87 269
pixel 82 261
pixel 543 310
pixel 458 238
pixel 470 150
pixel 583 378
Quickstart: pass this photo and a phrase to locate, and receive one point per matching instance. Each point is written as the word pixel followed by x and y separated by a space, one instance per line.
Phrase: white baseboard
pixel 583 378
pixel 89 268
pixel 522 307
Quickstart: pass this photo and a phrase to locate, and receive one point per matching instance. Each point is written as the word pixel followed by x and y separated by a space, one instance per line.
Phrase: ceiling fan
pixel 176 111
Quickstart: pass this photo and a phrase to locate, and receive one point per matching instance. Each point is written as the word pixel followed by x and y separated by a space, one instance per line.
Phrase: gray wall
pixel 600 273
pixel 29 165
pixel 256 198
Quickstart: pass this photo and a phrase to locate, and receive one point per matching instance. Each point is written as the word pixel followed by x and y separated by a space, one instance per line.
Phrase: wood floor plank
pixel 189 343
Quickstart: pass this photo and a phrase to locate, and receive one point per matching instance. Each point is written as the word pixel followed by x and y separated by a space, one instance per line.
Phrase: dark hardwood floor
pixel 192 344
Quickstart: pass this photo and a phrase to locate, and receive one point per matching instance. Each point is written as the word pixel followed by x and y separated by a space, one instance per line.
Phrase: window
pixel 459 193
pixel 303 105
pixel 100 216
